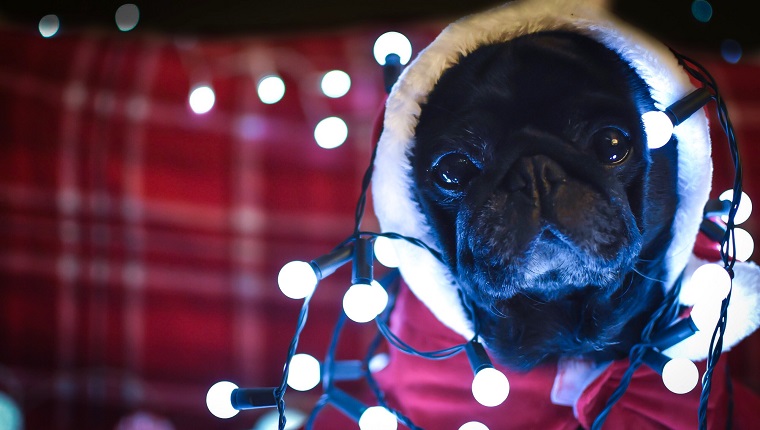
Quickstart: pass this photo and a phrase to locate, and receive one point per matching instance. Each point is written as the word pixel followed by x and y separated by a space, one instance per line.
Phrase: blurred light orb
pixel 713 281
pixel 701 10
pixel 385 253
pixel 49 25
pixel 10 414
pixel 271 89
pixel 473 425
pixel 745 245
pixel 490 387
pixel 743 212
pixel 377 418
pixel 335 83
pixel 379 362
pixel 127 17
pixel 731 51
pixel 331 132
pixel 680 375
pixel 392 42
pixel 297 279
pixel 219 399
pixel 202 99
pixel 305 372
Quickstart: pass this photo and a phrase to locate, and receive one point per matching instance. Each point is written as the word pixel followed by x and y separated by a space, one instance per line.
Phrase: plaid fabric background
pixel 140 242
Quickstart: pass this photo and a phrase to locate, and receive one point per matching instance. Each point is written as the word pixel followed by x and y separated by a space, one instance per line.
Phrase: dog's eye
pixel 453 171
pixel 611 144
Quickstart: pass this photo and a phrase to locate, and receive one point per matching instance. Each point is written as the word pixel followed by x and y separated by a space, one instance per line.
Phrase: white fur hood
pixel 397 212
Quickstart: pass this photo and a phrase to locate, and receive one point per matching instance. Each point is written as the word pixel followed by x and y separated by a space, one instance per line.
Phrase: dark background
pixel 669 20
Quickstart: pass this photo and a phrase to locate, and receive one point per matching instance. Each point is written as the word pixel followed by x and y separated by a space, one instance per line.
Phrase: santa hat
pixel 397 211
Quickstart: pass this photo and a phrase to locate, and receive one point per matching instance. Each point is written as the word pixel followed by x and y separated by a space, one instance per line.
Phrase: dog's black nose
pixel 537 174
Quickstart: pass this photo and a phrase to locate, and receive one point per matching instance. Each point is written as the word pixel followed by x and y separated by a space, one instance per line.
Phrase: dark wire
pixel 728 243
pixel 280 391
pixel 662 316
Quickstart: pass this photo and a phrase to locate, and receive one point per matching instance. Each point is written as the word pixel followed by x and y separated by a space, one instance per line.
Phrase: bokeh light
pixel 49 25
pixel 202 99
pixel 331 132
pixel 335 83
pixel 731 51
pixel 701 10
pixel 127 16
pixel 271 89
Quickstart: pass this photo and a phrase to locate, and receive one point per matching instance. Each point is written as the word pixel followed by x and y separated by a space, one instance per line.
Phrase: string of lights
pixel 367 299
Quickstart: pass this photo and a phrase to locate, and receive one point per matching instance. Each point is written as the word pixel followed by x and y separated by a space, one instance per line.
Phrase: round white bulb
pixel 49 25
pixel 744 210
pixel 377 418
pixel 392 42
pixel 297 279
pixel 362 302
pixel 745 245
pixel 473 425
pixel 712 281
pixel 680 375
pixel 335 83
pixel 658 128
pixel 705 314
pixel 490 387
pixel 202 99
pixel 331 132
pixel 379 297
pixel 219 399
pixel 127 16
pixel 385 253
pixel 10 414
pixel 305 372
pixel 378 362
pixel 271 89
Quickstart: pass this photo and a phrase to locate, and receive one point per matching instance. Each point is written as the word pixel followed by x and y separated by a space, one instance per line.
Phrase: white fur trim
pixel 743 311
pixel 428 279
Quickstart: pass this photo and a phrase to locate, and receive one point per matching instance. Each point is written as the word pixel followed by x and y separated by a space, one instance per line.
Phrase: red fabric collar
pixel 436 395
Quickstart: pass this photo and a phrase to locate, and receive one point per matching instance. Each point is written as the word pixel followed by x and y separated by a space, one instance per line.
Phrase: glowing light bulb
pixel 658 128
pixel 745 245
pixel 271 89
pixel 10 414
pixel 305 372
pixel 297 279
pixel 712 281
pixel 680 375
pixel 385 253
pixel 294 420
pixel 202 99
pixel 218 399
pixel 392 43
pixel 363 302
pixel 335 83
pixel 378 362
pixel 49 25
pixel 473 425
pixel 490 387
pixel 127 17
pixel 744 210
pixel 705 314
pixel 377 418
pixel 331 132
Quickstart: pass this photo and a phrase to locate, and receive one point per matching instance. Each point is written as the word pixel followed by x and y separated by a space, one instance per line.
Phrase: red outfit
pixel 436 394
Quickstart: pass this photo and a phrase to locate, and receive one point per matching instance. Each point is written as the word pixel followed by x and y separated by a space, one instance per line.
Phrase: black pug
pixel 531 167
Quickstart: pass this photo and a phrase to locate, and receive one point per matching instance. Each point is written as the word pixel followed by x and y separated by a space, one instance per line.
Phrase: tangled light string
pixel 299 280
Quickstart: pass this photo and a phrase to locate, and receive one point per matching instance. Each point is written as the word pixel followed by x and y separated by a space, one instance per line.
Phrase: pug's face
pixel 532 169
